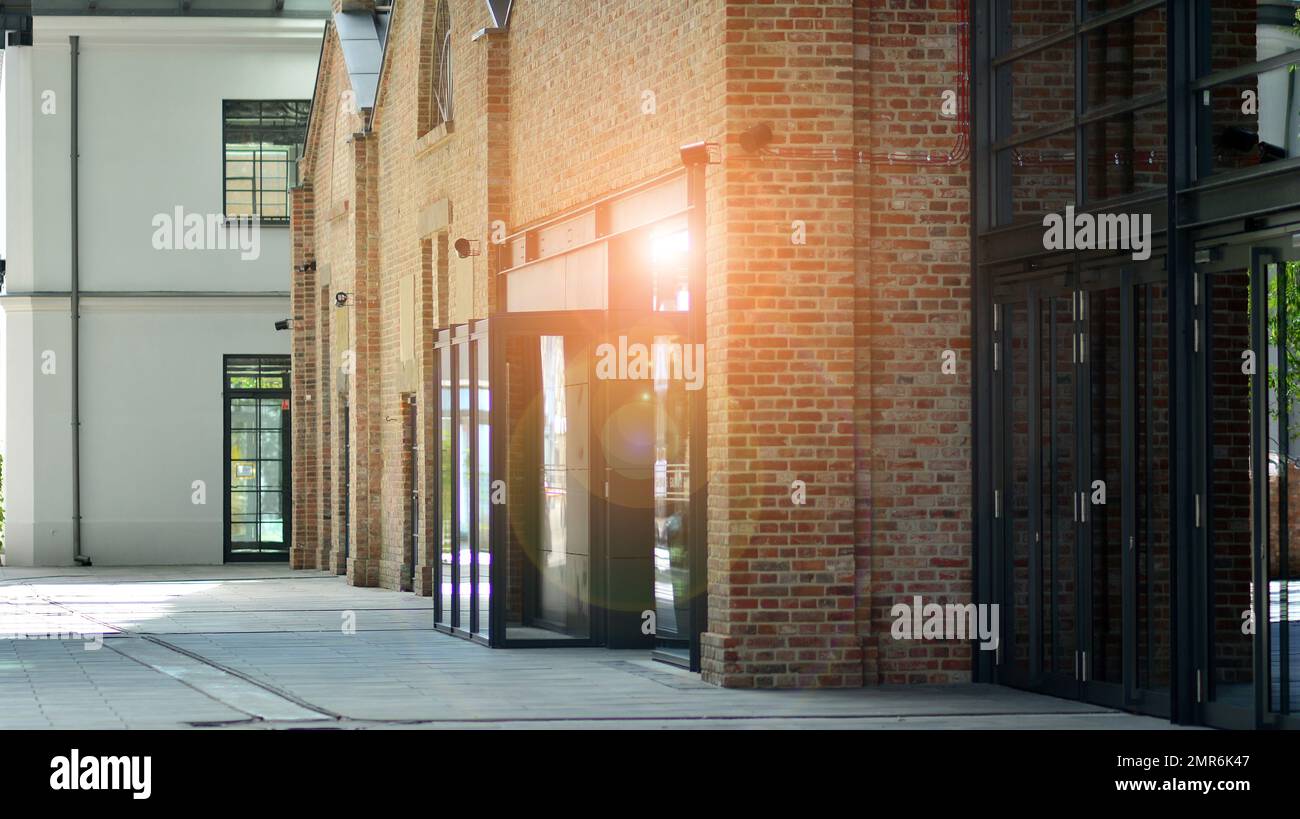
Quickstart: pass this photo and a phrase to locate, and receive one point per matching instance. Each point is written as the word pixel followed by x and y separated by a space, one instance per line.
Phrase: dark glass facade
pixel 1135 509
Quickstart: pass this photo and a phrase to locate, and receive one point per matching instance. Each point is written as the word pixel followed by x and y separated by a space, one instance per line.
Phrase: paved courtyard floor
pixel 266 647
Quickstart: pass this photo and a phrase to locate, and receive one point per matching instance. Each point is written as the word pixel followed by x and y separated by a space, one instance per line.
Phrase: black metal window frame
pixel 447 592
pixel 997 21
pixel 232 390
pixel 294 116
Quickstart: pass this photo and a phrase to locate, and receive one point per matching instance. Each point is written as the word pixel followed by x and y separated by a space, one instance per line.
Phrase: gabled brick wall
pixel 823 357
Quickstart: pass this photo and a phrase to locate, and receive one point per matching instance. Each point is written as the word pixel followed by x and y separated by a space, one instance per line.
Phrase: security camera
pixel 340 299
pixel 282 324
pixel 466 247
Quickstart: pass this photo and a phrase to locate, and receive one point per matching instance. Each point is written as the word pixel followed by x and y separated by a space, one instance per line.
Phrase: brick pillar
pixel 367 416
pixel 303 383
pixel 427 420
pixel 326 451
pixel 914 500
pixel 781 360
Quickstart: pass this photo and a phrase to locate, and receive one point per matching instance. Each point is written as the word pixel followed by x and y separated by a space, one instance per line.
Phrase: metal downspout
pixel 74 207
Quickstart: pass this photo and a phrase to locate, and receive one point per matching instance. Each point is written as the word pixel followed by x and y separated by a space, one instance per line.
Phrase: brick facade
pixel 824 353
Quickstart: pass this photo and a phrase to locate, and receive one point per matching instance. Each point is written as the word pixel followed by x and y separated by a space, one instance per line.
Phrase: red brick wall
pixel 912 304
pixel 823 358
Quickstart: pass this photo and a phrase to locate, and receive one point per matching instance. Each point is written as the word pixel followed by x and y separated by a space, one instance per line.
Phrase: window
pixel 441 66
pixel 263 141
pixel 258 457
pixel 257 373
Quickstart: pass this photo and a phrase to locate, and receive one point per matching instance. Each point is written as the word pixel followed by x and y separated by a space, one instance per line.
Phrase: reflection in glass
pixel 1232 486
pixel 1017 502
pixel 1059 480
pixel 1126 154
pixel 1042 89
pixel 243 413
pixel 483 555
pixel 1041 174
pixel 445 581
pixel 1152 552
pixel 563 561
pixel 1282 385
pixel 672 491
pixel 1105 519
pixel 670 245
pixel 1245 134
pixel 1032 20
pixel 464 486
pixel 255 442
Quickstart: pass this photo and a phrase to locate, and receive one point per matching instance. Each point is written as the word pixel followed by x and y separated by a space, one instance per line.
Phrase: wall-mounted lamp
pixel 283 324
pixel 303 268
pixel 341 299
pixel 466 247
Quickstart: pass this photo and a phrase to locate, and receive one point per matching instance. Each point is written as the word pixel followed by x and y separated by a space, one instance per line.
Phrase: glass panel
pixel 1126 154
pixel 1017 483
pixel 243 532
pixel 1059 465
pixel 1034 19
pixel 271 505
pixel 670 245
pixel 242 503
pixel 464 486
pixel 1042 176
pixel 1254 120
pixel 1047 477
pixel 1127 58
pixel 270 410
pixel 1283 381
pixel 1103 502
pixel 1042 88
pixel 270 444
pixel 446 567
pixel 484 432
pixel 1152 548
pixel 272 532
pixel 241 373
pixel 271 474
pixel 243 413
pixel 548 562
pixel 243 446
pixel 263 139
pixel 673 591
pixel 1231 489
pixel 1244 31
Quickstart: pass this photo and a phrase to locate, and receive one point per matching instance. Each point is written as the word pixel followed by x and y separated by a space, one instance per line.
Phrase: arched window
pixel 440 109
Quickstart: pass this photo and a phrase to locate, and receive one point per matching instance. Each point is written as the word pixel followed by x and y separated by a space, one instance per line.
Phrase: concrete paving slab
pixel 264 647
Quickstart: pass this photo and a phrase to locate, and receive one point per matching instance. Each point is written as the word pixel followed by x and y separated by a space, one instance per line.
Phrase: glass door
pixel 1058 472
pixel 548 574
pixel 257 458
pixel 1082 431
pixel 1105 374
pixel 1249 617
pixel 1018 651
pixel 1147 495
pixel 462 460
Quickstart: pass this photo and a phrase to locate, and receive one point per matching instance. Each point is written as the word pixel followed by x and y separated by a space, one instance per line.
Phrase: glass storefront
pixel 564 453
pixel 1135 488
